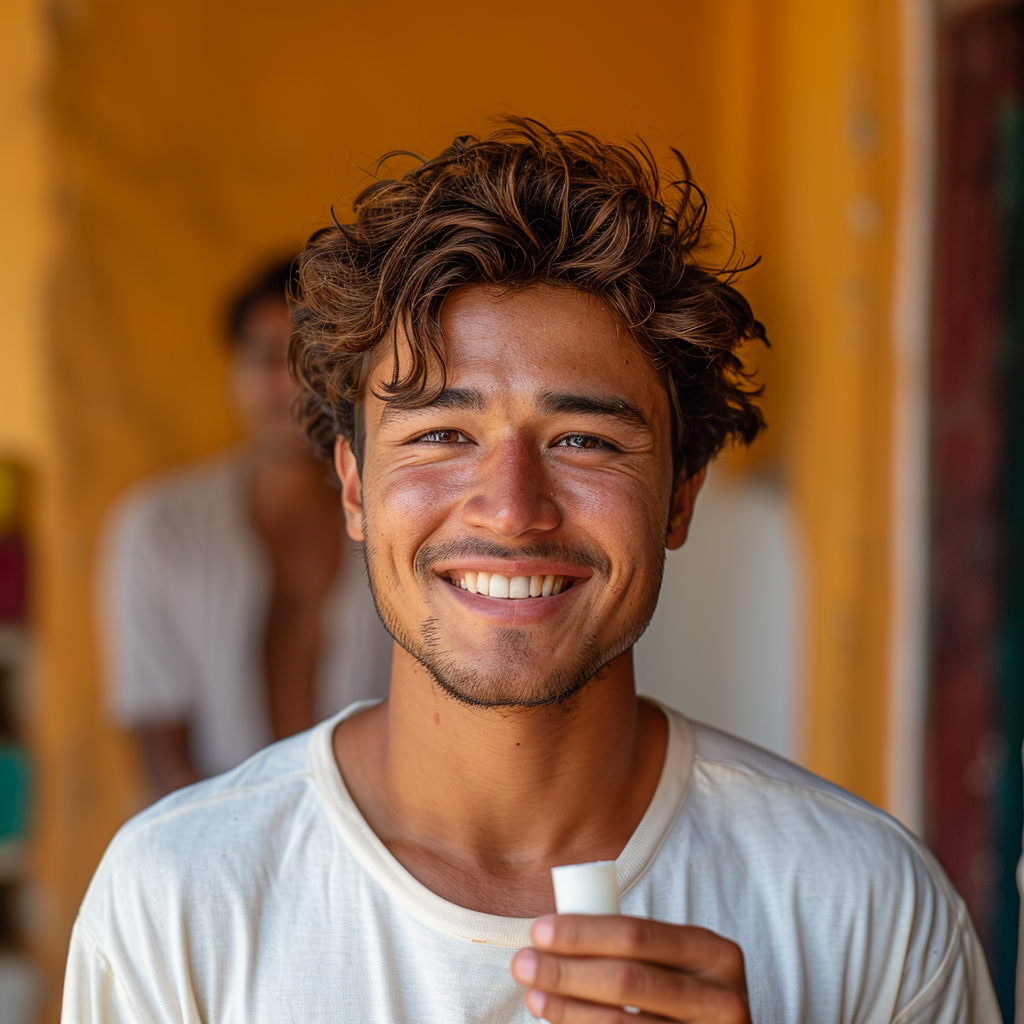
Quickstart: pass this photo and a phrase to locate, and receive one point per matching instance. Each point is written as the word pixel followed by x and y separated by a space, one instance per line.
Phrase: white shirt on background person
pixel 185 588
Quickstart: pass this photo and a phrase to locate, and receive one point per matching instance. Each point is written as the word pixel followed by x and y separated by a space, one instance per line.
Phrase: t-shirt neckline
pixel 474 925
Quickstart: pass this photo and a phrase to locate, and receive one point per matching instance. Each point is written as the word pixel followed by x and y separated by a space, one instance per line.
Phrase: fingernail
pixel 524 966
pixel 543 932
pixel 536 1001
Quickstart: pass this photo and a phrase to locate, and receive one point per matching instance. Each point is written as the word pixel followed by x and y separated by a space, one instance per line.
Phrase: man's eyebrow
pixel 589 404
pixel 448 398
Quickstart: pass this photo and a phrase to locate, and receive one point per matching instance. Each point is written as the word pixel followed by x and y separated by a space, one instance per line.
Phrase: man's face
pixel 515 528
pixel 264 392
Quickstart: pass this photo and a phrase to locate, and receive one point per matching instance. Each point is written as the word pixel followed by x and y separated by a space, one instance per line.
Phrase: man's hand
pixel 586 969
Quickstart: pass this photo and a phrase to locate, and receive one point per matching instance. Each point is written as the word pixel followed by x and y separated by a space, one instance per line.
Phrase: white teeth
pixel 517 588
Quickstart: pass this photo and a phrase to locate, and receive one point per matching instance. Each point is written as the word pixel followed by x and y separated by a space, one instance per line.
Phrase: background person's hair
pixel 521 206
pixel 276 281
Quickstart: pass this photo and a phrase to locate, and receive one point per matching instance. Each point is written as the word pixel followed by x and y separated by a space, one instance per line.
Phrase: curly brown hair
pixel 521 206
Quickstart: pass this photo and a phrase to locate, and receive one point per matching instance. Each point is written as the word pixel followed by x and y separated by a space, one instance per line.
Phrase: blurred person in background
pixel 237 611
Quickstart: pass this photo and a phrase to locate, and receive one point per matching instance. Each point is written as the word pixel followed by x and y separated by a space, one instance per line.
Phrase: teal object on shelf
pixel 15 779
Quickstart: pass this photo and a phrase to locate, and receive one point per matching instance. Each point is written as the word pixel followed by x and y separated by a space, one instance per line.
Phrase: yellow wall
pixel 24 234
pixel 830 243
pixel 191 139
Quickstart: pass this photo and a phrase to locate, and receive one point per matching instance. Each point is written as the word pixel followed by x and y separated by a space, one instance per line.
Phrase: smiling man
pixel 521 371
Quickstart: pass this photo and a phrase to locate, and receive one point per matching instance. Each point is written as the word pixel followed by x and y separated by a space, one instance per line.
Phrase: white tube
pixel 586 888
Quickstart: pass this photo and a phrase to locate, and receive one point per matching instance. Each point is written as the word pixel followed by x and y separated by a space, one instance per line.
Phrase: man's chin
pixel 475 689
pixel 510 667
pixel 516 678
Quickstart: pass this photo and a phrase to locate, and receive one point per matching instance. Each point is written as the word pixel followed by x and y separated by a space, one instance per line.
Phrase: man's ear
pixel 351 488
pixel 681 513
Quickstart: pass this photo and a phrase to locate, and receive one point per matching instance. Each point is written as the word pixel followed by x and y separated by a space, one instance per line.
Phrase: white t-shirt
pixel 263 896
pixel 185 589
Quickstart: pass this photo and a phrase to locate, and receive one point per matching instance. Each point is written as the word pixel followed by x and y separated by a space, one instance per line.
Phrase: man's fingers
pixel 559 1010
pixel 617 982
pixel 682 947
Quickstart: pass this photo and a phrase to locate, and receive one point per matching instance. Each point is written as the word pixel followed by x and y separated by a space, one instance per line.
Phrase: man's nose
pixel 513 493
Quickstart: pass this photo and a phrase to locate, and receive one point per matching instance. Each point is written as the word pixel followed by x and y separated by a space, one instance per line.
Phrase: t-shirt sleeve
pixel 960 991
pixel 150 668
pixel 92 993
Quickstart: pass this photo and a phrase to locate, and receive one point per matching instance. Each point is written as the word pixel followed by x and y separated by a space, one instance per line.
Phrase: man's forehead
pixel 542 322
pixel 529 343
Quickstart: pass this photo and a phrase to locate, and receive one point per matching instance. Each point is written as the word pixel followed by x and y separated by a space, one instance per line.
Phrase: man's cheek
pixel 383 571
pixel 419 496
pixel 628 522
pixel 616 507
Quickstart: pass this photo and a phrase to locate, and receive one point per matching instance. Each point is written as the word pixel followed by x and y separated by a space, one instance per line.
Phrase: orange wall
pixel 191 139
pixel 831 249
pixel 24 230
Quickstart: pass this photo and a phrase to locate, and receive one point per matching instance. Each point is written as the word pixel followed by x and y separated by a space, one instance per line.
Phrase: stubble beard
pixel 521 683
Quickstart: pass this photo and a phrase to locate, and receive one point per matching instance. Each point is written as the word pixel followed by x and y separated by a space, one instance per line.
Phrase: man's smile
pixel 528 590
pixel 519 579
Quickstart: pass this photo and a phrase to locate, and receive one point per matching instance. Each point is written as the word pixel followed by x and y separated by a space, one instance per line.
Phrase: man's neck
pixel 479 803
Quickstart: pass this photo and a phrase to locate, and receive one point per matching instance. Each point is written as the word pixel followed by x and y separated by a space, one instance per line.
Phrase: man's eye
pixel 444 437
pixel 585 441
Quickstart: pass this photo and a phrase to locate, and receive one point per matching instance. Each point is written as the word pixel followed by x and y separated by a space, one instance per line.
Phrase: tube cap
pixel 586 888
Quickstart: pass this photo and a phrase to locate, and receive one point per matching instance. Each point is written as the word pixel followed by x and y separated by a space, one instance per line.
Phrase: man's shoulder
pixel 195 873
pixel 798 816
pixel 755 769
pixel 233 822
pixel 836 878
pixel 256 781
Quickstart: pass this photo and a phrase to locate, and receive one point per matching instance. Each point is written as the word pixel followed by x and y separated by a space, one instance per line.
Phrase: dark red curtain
pixel 977 717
